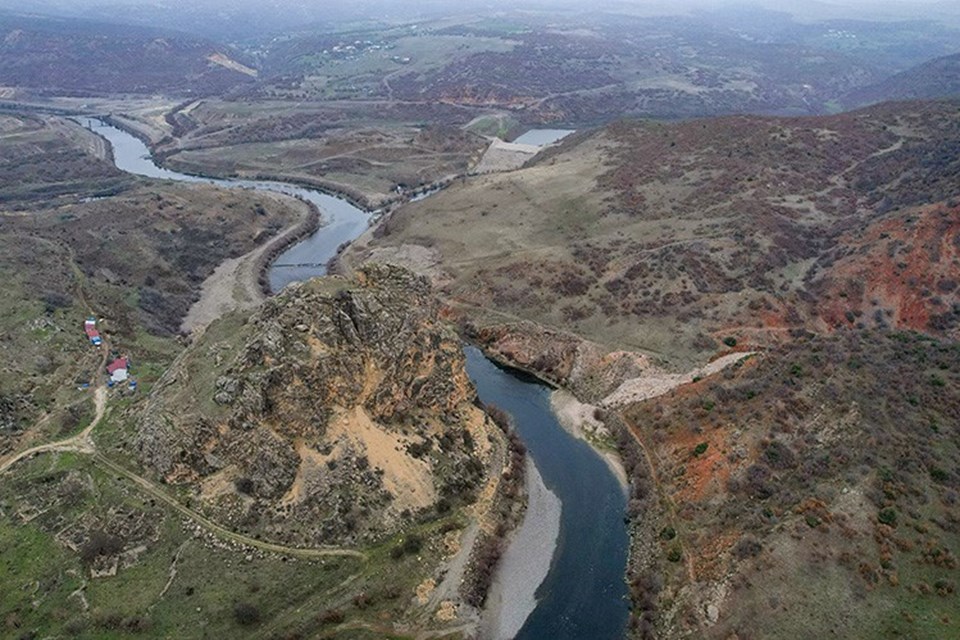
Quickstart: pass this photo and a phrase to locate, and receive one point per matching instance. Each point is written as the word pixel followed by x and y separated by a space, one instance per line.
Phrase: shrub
pixel 362 601
pixel 244 485
pixel 500 417
pixel 944 587
pixel 747 547
pixel 484 561
pixel 53 300
pixel 700 449
pixel 668 533
pixel 246 614
pixel 443 506
pixel 779 456
pixel 888 516
pixel 419 449
pixel 674 554
pixel 100 543
pixel 332 616
pixel 730 341
pixel 410 545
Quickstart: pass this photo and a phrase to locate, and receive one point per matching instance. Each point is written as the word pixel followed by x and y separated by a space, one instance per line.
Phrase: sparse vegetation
pixel 810 490
pixel 774 473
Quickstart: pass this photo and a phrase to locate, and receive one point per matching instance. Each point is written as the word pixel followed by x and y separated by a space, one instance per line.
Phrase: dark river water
pixel 584 594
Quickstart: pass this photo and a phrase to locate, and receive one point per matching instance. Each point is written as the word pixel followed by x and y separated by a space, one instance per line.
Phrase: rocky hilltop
pixel 333 415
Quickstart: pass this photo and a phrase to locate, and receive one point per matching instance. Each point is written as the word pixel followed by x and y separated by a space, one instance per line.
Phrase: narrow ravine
pixel 563 574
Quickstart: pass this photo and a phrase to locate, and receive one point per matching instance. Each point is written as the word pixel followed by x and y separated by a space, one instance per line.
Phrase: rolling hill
pixel 938 78
pixel 810 487
pixel 51 56
pixel 667 238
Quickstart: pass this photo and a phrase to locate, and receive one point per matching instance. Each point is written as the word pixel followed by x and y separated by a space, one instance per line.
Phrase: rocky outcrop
pixel 560 358
pixel 339 410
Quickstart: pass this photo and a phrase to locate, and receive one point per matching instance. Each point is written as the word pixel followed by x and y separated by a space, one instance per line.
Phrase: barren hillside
pixel 669 238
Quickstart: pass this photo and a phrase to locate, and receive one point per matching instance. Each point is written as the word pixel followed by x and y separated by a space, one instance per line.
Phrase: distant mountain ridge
pixel 937 78
pixel 76 57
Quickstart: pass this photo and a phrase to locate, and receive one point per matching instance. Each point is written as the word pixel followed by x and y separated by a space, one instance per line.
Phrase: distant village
pixel 353 51
pixel 118 367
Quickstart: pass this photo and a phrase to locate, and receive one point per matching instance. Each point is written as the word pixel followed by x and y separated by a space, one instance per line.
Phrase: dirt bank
pixel 578 419
pixel 236 283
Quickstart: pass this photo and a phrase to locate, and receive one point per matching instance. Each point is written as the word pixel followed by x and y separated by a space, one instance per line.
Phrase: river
pixel 342 222
pixel 583 594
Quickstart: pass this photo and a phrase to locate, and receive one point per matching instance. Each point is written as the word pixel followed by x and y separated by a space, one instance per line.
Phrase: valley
pixel 488 323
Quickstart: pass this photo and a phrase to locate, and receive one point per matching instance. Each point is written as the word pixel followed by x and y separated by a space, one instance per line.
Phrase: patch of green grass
pixel 495 126
pixel 203 590
pixel 36 573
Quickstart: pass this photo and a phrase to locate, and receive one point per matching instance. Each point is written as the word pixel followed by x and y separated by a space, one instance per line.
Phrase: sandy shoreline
pixel 235 283
pixel 525 564
pixel 572 416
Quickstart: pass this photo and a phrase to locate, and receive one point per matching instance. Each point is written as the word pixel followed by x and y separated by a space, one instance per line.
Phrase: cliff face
pixel 337 410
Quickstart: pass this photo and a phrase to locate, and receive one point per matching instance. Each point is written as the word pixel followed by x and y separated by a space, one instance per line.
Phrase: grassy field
pixel 365 151
pixel 366 71
pixel 166 581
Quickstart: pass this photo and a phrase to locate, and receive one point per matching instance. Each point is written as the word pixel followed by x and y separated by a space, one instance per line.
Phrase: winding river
pixel 342 222
pixel 583 594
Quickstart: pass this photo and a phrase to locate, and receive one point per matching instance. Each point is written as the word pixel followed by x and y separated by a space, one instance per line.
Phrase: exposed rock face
pixel 340 408
pixel 561 358
pixel 547 353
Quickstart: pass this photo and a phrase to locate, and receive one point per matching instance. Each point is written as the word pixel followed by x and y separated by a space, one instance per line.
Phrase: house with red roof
pixel 118 370
pixel 90 328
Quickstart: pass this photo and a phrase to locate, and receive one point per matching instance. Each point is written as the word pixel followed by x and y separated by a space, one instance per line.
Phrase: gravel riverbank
pixel 524 564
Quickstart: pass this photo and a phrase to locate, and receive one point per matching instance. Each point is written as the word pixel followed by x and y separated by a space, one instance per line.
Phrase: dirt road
pixel 81 442
pixel 221 532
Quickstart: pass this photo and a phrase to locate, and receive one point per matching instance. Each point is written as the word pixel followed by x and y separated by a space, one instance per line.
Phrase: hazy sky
pixel 248 17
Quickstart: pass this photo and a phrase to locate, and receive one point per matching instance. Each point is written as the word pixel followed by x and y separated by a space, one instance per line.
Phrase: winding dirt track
pixel 156 492
pixel 83 443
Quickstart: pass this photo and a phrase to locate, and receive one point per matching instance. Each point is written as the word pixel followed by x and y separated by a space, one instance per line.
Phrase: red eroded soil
pixel 903 271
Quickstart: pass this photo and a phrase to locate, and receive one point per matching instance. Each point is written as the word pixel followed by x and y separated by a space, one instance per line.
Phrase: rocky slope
pixel 336 413
pixel 804 490
pixel 807 492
